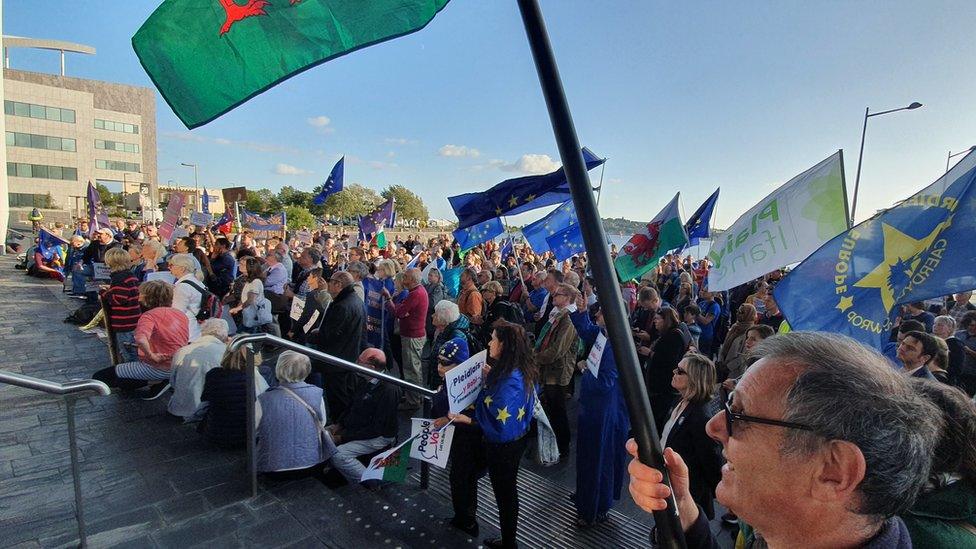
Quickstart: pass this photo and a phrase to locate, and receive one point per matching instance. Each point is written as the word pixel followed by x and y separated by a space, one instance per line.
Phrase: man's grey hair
pixel 572 278
pixel 292 367
pixel 358 269
pixel 447 311
pixel 276 255
pixel 845 391
pixel 946 320
pixel 216 327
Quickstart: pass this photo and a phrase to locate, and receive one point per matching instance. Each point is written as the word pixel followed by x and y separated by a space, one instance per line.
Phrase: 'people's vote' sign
pixel 464 382
pixel 432 445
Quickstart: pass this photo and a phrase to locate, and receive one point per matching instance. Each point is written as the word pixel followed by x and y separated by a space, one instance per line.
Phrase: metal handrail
pixel 71 391
pixel 242 340
pixel 67 388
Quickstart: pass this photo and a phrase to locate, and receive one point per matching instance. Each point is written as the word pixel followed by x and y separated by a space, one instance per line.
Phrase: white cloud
pixel 288 169
pixel 184 136
pixel 399 141
pixel 532 164
pixel 390 154
pixel 319 121
pixel 222 141
pixel 458 151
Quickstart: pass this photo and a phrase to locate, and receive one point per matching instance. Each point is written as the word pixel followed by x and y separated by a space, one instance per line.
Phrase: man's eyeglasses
pixel 731 417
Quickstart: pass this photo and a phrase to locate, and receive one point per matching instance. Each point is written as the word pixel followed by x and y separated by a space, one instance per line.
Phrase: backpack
pixel 209 303
pixel 474 343
pixel 84 314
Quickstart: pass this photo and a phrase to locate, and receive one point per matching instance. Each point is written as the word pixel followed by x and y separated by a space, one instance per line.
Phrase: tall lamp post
pixel 196 186
pixel 860 156
pixel 952 155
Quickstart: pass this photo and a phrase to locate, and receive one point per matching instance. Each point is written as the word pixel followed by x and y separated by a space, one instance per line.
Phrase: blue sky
pixel 679 96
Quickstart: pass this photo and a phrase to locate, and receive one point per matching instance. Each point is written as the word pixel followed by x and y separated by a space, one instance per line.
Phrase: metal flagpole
pixel 599 190
pixel 669 532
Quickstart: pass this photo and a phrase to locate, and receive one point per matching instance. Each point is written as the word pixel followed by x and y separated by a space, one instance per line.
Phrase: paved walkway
pixel 150 481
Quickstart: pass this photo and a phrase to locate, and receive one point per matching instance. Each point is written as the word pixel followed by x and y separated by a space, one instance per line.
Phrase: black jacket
pixel 341 329
pixel 223 269
pixel 668 350
pixel 95 252
pixel 701 454
pixel 373 412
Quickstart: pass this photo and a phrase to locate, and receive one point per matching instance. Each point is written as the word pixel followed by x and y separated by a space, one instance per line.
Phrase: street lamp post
pixel 952 155
pixel 196 186
pixel 860 156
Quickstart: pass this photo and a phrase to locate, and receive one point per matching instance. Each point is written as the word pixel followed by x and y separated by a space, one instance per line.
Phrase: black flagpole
pixel 669 532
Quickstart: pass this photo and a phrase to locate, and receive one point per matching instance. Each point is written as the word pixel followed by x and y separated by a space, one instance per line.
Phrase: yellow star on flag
pixel 498 210
pixel 529 198
pixel 901 253
pixel 488 400
pixel 521 413
pixel 503 414
pixel 513 201
pixel 846 302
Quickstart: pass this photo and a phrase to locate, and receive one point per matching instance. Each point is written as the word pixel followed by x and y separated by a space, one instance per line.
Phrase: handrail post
pixel 252 465
pixel 75 472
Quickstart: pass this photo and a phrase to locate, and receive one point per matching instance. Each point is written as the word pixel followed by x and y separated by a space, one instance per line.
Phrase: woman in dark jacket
pixel 498 307
pixel 664 355
pixel 684 431
pixel 317 300
pixel 225 395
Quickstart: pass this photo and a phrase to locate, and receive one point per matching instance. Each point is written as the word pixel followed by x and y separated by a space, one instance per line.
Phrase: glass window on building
pixel 23 170
pixel 68 144
pixel 68 115
pixel 38 111
pixel 21 109
pixel 52 113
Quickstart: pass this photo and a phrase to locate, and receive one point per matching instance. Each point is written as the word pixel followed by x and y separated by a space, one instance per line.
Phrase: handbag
pixel 257 313
pixel 547 451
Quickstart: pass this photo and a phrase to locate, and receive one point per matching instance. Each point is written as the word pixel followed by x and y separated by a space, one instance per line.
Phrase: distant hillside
pixel 621 226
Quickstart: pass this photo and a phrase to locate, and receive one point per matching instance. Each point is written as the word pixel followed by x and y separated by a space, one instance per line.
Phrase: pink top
pixel 166 330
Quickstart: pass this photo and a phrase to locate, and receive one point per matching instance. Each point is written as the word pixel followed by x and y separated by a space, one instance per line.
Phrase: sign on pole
pixel 464 382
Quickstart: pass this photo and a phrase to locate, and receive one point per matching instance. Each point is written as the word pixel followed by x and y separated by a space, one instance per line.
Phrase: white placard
pixel 201 219
pixel 464 382
pixel 596 355
pixel 101 271
pixel 311 322
pixel 180 232
pixel 431 445
pixel 297 306
pixel 165 276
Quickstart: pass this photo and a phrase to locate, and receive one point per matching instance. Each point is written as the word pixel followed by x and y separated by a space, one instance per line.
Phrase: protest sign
pixel 375 311
pixel 101 275
pixel 596 354
pixel 464 382
pixel 297 306
pixel 311 322
pixel 304 237
pixel 432 445
pixel 172 216
pixel 201 219
pixel 165 276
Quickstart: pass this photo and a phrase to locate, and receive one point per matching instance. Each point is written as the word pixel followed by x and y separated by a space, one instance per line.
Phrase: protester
pixel 190 366
pixel 469 300
pixel 707 319
pixel 222 263
pixel 317 299
pixel 120 301
pixel 503 412
pixel 967 336
pixel 412 316
pixel 368 425
pixel 825 445
pixel 339 335
pixel 555 355
pixel 160 332
pixel 497 306
pixel 944 326
pixel 915 351
pixel 603 423
pixel 663 357
pixel 224 397
pixel 187 291
pixel 730 361
pixel 291 420
pixel 684 431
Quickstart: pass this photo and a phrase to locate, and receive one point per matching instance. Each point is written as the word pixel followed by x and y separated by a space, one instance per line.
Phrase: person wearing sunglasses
pixel 684 431
pixel 825 444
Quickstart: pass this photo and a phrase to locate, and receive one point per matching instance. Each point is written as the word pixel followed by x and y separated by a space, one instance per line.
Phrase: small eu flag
pixel 567 242
pixel 482 232
pixel 333 184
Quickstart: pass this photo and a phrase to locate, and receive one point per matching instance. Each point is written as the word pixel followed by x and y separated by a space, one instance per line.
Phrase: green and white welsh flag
pixel 641 253
pixel 390 465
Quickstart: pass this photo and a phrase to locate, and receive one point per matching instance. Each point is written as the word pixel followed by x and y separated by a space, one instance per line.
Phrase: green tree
pixel 290 196
pixel 408 204
pixel 352 200
pixel 298 217
pixel 262 201
pixel 107 197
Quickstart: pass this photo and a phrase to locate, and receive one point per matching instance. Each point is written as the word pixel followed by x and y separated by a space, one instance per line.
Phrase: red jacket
pixel 412 313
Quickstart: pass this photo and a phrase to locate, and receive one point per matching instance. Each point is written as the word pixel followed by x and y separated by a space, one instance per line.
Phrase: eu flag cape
pixel 919 249
pixel 515 196
pixel 208 56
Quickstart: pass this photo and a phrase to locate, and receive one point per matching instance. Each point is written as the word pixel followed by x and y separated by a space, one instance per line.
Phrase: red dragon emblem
pixel 641 246
pixel 236 12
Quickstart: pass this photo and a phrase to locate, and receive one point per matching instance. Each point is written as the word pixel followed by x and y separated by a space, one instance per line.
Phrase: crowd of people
pixel 864 437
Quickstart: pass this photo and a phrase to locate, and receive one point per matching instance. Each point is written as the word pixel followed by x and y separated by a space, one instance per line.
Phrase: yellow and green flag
pixel 208 56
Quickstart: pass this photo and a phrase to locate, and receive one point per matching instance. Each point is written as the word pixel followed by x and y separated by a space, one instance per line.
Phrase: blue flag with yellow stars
pixel 567 242
pixel 333 184
pixel 698 224
pixel 921 248
pixel 476 234
pixel 514 196
pixel 536 233
pixel 503 409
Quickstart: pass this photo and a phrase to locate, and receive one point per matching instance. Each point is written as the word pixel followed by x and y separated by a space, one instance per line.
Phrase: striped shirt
pixel 122 300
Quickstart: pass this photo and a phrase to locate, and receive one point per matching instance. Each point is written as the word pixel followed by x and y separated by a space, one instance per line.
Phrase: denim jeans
pixel 345 460
pixel 79 277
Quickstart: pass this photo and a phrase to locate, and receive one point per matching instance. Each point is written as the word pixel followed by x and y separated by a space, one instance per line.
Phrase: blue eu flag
pixel 919 249
pixel 333 184
pixel 567 242
pixel 515 196
pixel 698 223
pixel 507 247
pixel 206 202
pixel 482 232
pixel 560 218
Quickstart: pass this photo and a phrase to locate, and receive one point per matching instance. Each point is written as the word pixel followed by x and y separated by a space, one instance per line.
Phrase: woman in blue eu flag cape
pixel 503 412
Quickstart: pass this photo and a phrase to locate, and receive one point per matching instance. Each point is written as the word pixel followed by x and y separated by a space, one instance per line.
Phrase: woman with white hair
pixel 449 324
pixel 291 420
pixel 190 366
pixel 188 290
